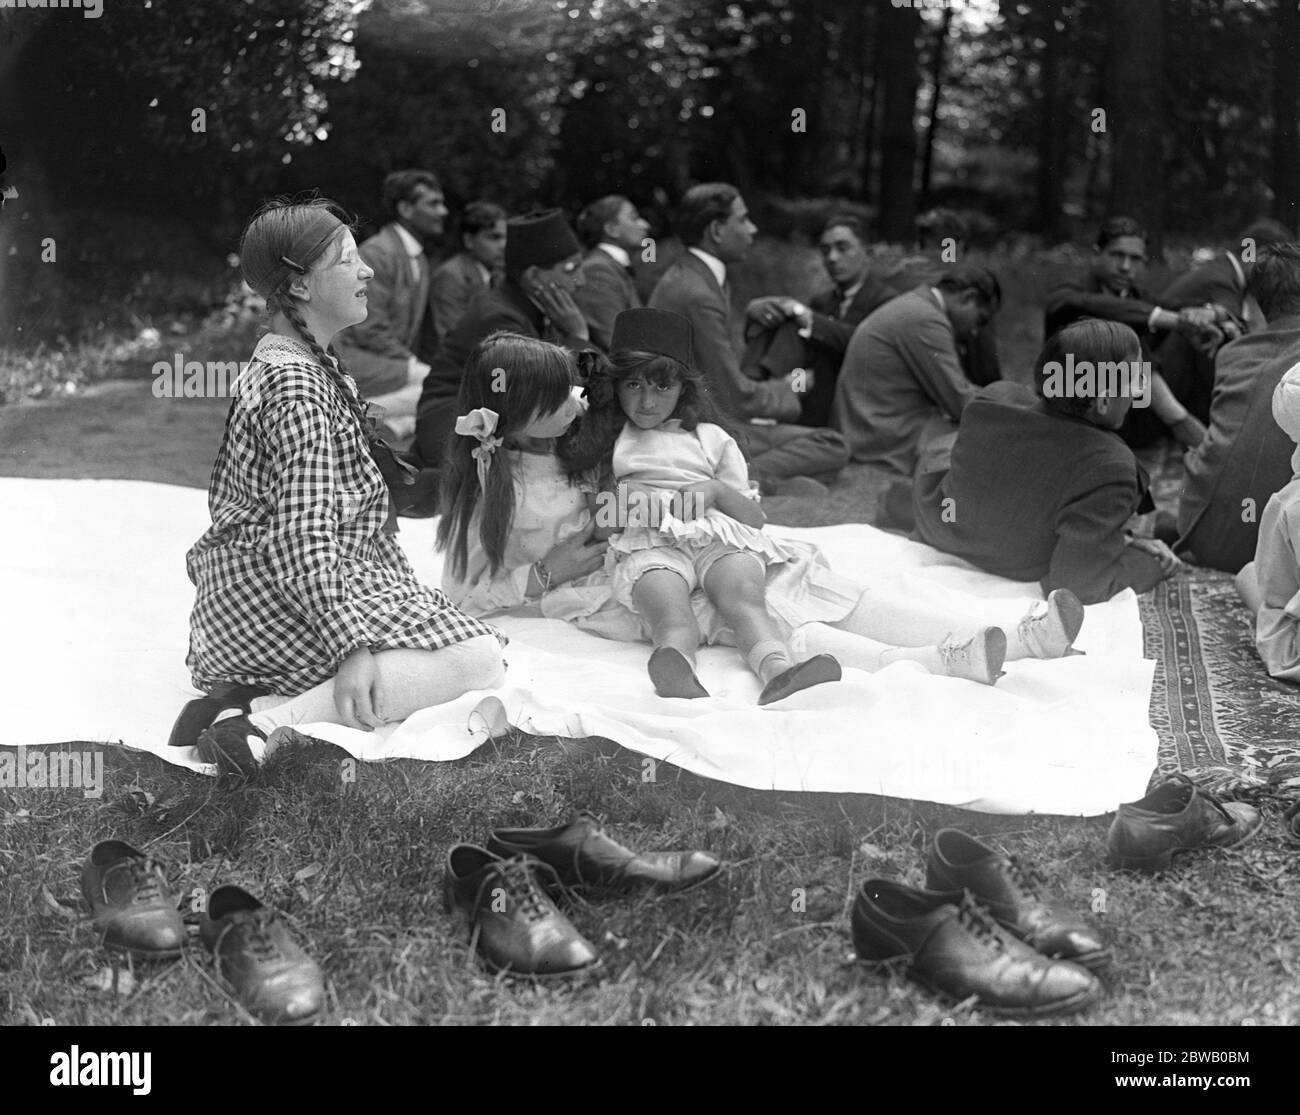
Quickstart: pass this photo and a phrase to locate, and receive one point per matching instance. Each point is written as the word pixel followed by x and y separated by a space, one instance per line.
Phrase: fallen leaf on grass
pixel 51 906
pixel 719 821
pixel 119 981
pixel 311 870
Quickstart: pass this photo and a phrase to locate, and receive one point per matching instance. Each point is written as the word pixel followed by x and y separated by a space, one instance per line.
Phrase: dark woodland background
pixel 988 108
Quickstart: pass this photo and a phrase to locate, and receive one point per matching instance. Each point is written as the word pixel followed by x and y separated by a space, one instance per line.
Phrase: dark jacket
pixel 607 290
pixel 506 308
pixel 1245 456
pixel 1036 496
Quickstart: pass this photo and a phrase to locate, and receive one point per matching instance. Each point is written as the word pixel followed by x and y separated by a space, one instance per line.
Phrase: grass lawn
pixel 356 867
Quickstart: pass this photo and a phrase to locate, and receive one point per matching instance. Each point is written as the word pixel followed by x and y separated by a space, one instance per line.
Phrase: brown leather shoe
pixel 1177 816
pixel 583 854
pixel 253 952
pixel 512 922
pixel 135 911
pixel 955 949
pixel 1012 893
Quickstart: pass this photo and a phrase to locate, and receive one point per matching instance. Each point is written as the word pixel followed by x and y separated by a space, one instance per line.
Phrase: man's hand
pixel 558 305
pixel 1169 563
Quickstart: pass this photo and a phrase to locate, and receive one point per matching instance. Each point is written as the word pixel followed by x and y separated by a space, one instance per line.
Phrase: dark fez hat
pixel 659 331
pixel 539 239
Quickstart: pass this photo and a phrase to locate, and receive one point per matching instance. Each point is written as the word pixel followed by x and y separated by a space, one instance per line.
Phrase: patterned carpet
pixel 1216 711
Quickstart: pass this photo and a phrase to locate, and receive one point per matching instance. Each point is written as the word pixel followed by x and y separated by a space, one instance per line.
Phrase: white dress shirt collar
pixel 619 255
pixel 713 263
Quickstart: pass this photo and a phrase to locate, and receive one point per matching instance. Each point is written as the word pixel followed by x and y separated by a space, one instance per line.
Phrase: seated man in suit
pixel 612 230
pixel 714 224
pixel 1110 290
pixel 384 353
pixel 543 269
pixel 473 269
pixel 785 334
pixel 1187 362
pixel 1040 489
pixel 1245 457
pixel 902 385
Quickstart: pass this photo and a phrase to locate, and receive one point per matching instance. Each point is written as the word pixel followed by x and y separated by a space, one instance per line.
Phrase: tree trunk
pixel 1053 152
pixel 936 79
pixel 899 78
pixel 1134 114
pixel 1286 150
pixel 870 189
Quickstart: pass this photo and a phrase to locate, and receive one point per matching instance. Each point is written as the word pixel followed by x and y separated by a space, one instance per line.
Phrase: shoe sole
pixel 672 675
pixel 1075 1003
pixel 509 973
pixel 145 954
pixel 818 670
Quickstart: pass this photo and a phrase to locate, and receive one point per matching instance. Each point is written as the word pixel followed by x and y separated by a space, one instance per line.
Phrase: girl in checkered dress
pixel 303 591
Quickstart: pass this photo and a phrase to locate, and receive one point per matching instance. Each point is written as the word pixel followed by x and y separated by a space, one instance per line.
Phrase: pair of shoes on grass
pixel 136 912
pixel 504 892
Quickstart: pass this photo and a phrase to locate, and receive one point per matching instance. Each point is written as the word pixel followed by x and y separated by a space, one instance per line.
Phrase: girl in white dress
pixel 677 503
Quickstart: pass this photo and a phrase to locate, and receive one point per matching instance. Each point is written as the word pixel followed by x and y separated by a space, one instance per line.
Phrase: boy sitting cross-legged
pixel 1041 488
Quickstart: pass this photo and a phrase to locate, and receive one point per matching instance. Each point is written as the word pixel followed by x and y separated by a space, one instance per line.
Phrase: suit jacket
pixel 1245 455
pixel 1085 297
pixel 831 330
pixel 452 288
pixel 607 290
pixel 1037 496
pixel 688 287
pixel 901 370
pixel 378 350
pixel 505 308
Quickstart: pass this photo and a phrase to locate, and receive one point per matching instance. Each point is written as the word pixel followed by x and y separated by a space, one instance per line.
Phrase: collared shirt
pixel 716 267
pixel 619 254
pixel 413 247
pixel 486 272
pixel 847 296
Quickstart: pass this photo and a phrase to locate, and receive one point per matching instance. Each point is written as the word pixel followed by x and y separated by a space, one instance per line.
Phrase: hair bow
pixel 480 423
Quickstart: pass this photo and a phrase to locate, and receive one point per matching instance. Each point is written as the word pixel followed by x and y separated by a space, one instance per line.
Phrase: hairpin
pixel 293 266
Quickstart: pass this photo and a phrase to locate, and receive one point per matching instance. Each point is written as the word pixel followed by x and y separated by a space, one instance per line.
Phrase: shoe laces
pixel 1030 624
pixel 950 649
pixel 145 875
pixel 1026 879
pixel 978 920
pixel 520 876
pixel 253 933
pixel 1208 795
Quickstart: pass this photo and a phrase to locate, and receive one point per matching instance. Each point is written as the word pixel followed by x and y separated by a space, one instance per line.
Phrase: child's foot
pixel 671 672
pixel 1049 629
pixel 816 670
pixel 979 658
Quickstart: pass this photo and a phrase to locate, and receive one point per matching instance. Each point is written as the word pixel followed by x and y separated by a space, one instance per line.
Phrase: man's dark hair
pixel 478 216
pixel 700 206
pixel 1090 339
pixel 1275 279
pixel 402 185
pixel 845 220
pixel 971 276
pixel 1265 231
pixel 1114 227
pixel 591 222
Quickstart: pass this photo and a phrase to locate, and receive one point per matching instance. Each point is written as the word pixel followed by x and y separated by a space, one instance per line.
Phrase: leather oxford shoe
pixel 1012 894
pixel 134 909
pixel 582 854
pixel 513 923
pixel 1177 816
pixel 955 949
pixel 253 952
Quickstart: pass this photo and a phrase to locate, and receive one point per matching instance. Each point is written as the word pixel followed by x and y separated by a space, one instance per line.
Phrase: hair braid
pixel 327 359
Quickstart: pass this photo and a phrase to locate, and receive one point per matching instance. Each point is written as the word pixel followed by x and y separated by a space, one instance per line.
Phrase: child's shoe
pixel 979 658
pixel 672 674
pixel 1049 628
pixel 817 670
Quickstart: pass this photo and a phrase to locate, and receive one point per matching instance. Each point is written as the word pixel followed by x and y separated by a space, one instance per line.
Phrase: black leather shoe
pixel 226 744
pixel 671 672
pixel 134 909
pixel 817 670
pixel 512 922
pixel 269 973
pixel 955 949
pixel 582 854
pixel 199 713
pixel 1177 816
pixel 1012 894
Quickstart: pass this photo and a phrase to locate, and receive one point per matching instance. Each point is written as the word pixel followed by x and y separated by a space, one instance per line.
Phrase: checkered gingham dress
pixel 296 569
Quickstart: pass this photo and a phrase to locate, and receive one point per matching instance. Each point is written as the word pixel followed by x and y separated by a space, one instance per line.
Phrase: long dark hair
pixel 590 447
pixel 520 378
